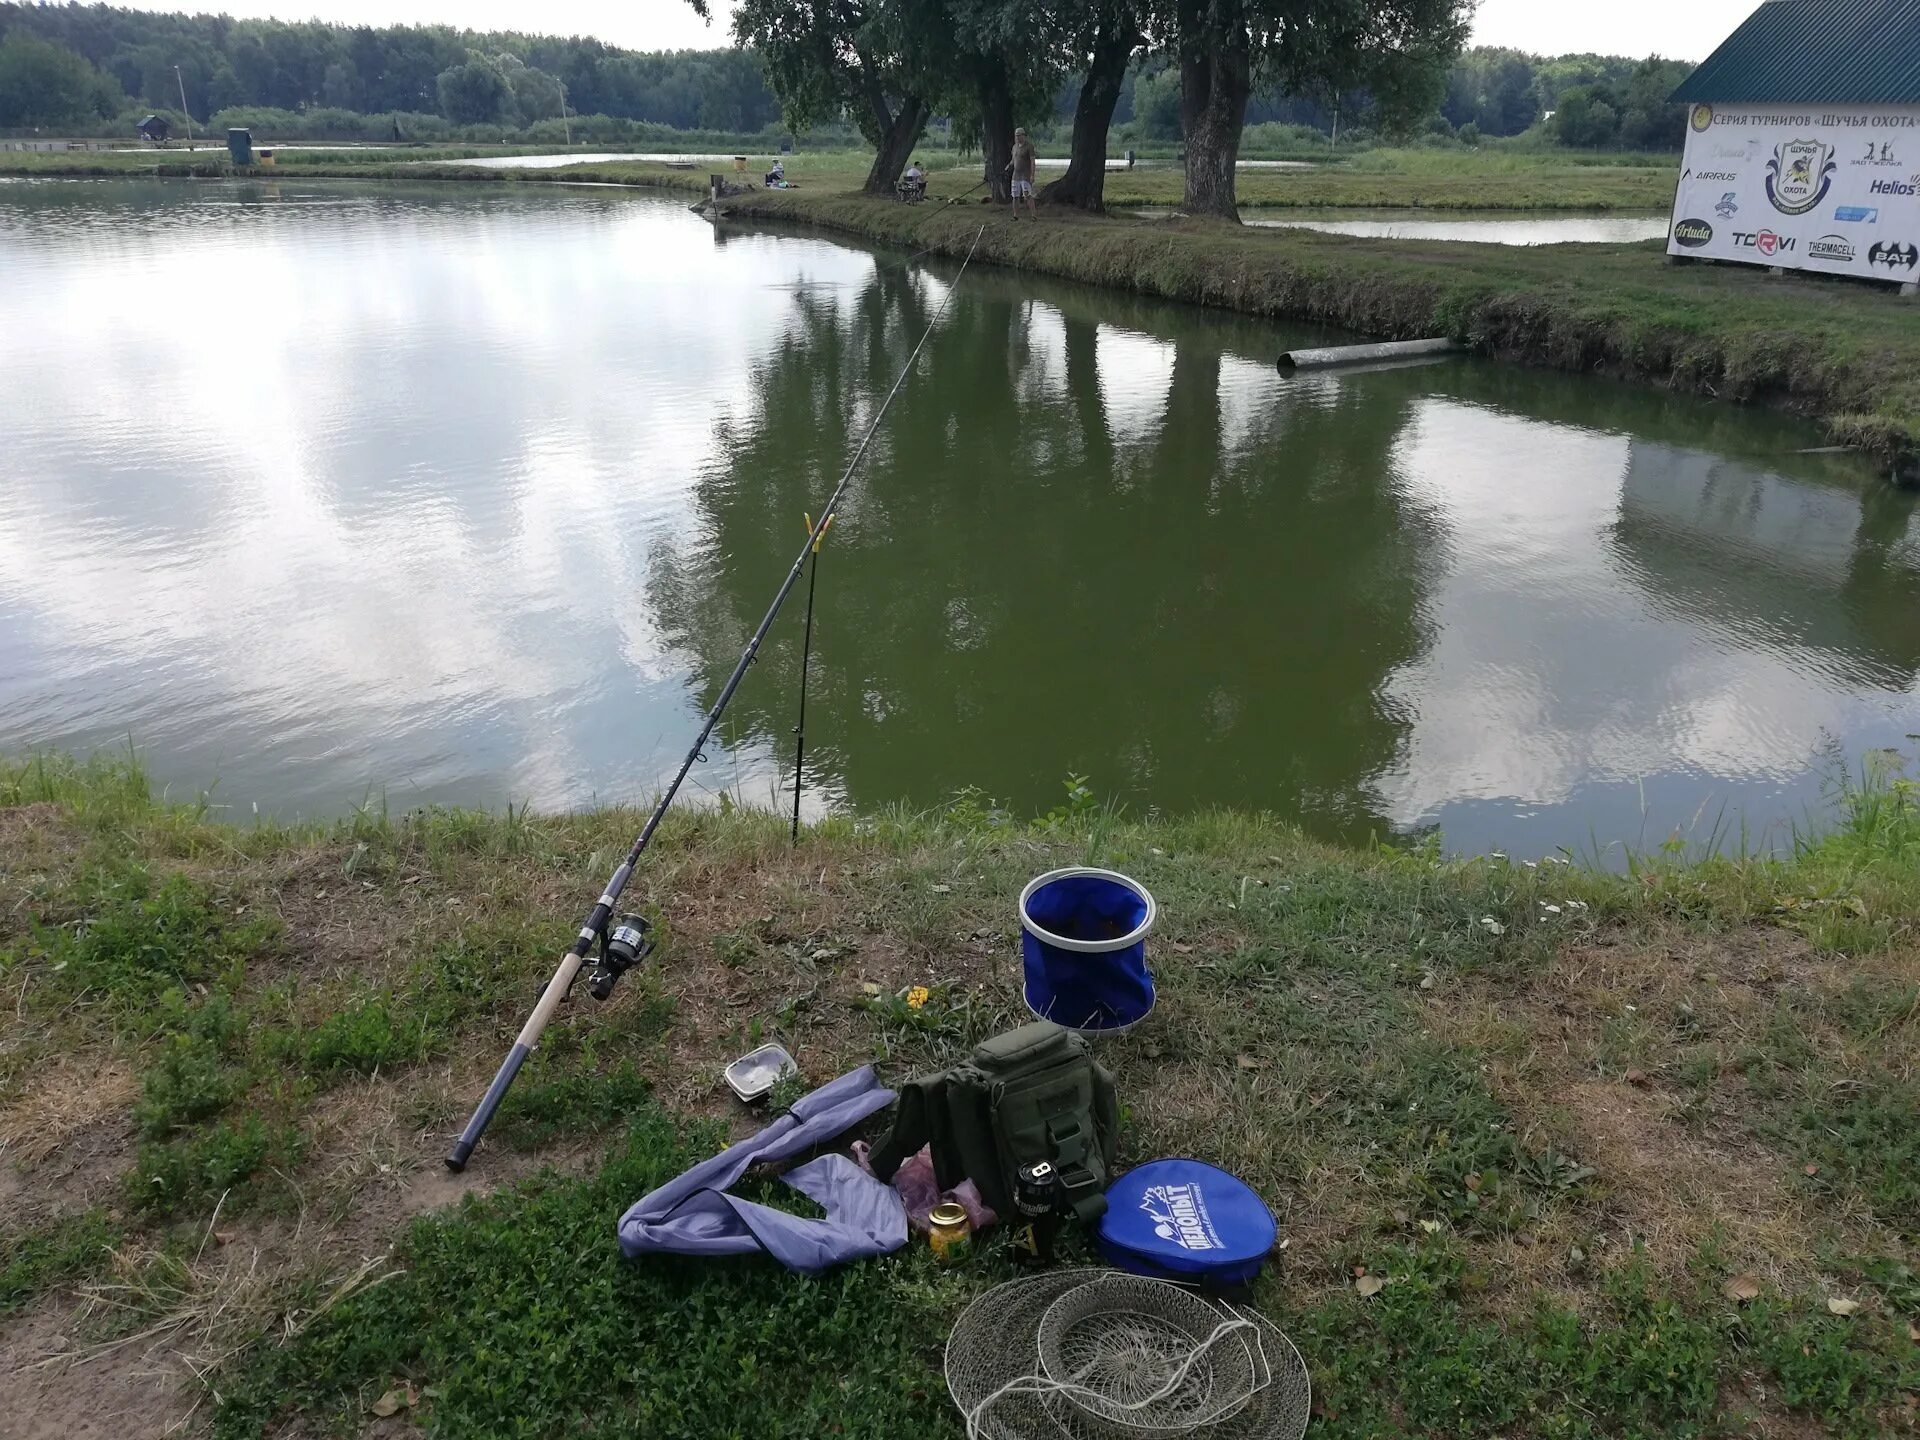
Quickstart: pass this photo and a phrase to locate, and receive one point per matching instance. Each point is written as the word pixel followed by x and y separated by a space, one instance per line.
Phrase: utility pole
pixel 563 112
pixel 185 113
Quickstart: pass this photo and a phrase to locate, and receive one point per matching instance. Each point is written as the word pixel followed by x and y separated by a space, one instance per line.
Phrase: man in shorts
pixel 1022 167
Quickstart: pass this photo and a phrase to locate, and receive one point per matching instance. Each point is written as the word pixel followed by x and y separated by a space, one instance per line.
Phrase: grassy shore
pixel 1634 1155
pixel 1841 352
pixel 1394 179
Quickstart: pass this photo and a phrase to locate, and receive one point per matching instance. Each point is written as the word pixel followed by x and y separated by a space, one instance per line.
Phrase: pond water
pixel 447 494
pixel 1492 227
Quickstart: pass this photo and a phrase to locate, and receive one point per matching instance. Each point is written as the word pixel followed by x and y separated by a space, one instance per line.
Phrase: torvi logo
pixel 1692 233
pixel 1765 241
pixel 1702 118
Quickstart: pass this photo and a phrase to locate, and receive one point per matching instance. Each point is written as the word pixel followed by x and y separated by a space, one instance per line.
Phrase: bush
pixel 368 1036
pixel 189 1082
pixel 195 1172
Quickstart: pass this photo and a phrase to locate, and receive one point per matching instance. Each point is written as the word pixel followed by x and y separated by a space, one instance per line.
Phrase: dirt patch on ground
pixel 60 1386
pixel 69 1138
pixel 1619 1056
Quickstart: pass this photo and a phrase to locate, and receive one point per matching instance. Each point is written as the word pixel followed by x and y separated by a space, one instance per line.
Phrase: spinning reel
pixel 621 948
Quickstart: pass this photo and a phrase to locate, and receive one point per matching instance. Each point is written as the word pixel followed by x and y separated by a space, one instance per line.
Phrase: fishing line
pixel 806 660
pixel 628 943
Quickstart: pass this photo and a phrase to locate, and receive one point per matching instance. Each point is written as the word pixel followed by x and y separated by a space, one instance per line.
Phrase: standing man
pixel 1022 167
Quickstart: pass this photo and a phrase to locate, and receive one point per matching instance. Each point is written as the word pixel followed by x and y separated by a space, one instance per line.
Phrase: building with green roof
pixel 1803 142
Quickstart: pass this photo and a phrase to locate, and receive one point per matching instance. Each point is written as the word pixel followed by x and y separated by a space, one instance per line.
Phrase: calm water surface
pixel 1494 227
pixel 323 491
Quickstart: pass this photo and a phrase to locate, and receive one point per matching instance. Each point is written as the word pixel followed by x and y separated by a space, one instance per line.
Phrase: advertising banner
pixel 1828 188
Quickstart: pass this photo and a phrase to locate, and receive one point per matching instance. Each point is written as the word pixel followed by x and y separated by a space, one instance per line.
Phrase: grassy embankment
pixel 1395 179
pixel 1843 353
pixel 1634 1155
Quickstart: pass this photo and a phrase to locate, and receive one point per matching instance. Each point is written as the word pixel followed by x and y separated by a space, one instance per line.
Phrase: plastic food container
pixel 758 1071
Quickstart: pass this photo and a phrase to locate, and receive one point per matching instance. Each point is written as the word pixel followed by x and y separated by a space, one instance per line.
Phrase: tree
pixel 1010 58
pixel 43 84
pixel 1109 34
pixel 340 88
pixel 875 60
pixel 1397 51
pixel 1156 103
pixel 472 94
pixel 1585 118
pixel 1216 76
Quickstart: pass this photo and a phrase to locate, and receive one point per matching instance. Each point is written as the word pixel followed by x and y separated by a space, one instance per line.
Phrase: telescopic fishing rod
pixel 626 944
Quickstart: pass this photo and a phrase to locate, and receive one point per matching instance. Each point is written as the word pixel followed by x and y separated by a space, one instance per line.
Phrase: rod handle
pixel 490 1102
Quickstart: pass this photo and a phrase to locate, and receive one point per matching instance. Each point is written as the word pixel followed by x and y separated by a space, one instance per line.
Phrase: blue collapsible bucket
pixel 1083 936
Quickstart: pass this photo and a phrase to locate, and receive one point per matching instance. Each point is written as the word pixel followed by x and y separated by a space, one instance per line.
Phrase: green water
pixel 451 495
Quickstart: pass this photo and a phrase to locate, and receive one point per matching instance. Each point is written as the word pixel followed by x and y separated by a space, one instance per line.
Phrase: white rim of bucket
pixel 1092 1032
pixel 1088 947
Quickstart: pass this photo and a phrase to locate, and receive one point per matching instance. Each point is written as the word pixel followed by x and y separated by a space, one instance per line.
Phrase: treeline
pixel 87 66
pixel 128 57
pixel 1594 101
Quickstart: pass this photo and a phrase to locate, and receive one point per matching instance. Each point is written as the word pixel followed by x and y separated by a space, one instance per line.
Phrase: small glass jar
pixel 949 1233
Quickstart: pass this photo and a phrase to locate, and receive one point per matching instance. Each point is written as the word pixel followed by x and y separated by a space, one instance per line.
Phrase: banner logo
pixel 1179 1213
pixel 1834 249
pixel 1701 118
pixel 1894 257
pixel 1692 233
pixel 1799 175
pixel 1728 206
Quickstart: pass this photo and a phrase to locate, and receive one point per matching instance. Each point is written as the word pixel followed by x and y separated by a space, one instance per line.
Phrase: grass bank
pixel 1633 1155
pixel 1841 352
pixel 1394 179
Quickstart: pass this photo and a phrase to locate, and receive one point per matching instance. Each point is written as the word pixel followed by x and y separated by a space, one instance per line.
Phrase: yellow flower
pixel 916 997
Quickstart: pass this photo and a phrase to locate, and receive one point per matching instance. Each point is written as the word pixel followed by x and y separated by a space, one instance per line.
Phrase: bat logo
pixel 1894 257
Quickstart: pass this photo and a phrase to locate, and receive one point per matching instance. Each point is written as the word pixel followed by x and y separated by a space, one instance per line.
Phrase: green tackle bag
pixel 1032 1094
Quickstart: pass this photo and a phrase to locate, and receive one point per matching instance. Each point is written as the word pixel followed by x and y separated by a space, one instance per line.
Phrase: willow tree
pixel 1397 51
pixel 1006 61
pixel 1102 44
pixel 876 62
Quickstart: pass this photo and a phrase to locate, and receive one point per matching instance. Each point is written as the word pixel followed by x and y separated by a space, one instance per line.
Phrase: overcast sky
pixel 1679 31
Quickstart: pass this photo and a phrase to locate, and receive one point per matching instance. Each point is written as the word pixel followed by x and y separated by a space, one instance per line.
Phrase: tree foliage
pixel 823 62
pixel 473 93
pixel 296 66
pixel 44 84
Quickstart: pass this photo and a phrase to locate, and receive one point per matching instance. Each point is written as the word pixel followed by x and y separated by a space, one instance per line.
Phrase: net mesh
pixel 1099 1355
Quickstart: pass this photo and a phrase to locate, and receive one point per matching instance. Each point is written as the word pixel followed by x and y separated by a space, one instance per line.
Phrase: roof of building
pixel 1834 52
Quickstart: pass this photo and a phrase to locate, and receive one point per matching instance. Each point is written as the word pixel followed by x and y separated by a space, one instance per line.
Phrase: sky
pixel 1552 27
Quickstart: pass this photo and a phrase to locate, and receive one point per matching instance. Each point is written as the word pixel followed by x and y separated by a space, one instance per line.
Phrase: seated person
pixel 913 184
pixel 777 176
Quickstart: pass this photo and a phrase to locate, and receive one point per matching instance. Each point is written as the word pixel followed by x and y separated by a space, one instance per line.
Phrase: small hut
pixel 155 128
pixel 1803 142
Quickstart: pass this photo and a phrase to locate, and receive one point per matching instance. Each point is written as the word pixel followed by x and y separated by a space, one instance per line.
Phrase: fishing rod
pixel 938 210
pixel 627 943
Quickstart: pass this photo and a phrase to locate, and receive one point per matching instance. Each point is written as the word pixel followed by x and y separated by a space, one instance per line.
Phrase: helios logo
pixel 1692 233
pixel 1179 1213
pixel 1894 187
pixel 1765 241
pixel 1834 249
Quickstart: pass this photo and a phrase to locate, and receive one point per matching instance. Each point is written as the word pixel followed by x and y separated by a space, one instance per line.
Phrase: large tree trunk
pixel 1214 85
pixel 1085 183
pixel 996 126
pixel 899 133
